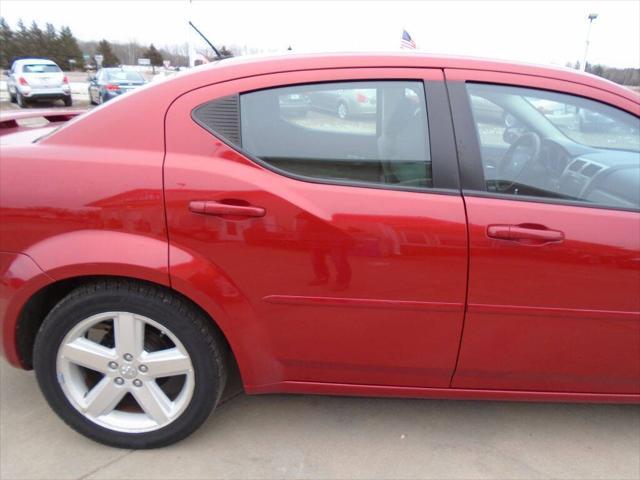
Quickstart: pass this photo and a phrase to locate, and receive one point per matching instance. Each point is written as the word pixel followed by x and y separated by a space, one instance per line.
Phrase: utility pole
pixel 191 49
pixel 591 17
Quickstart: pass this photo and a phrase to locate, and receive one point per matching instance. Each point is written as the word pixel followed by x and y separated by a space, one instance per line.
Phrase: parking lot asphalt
pixel 287 436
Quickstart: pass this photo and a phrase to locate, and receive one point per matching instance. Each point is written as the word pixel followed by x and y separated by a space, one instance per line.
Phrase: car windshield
pixel 124 76
pixel 599 127
pixel 41 68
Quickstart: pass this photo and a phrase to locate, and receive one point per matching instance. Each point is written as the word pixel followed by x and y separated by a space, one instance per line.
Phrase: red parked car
pixel 469 240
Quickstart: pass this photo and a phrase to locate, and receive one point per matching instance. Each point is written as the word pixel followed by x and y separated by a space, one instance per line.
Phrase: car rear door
pixel 554 278
pixel 335 259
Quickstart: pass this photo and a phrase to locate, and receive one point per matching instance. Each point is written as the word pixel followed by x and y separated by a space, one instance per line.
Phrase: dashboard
pixel 603 176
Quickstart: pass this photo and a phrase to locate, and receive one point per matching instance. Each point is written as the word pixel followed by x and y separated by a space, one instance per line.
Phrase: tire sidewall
pixel 69 312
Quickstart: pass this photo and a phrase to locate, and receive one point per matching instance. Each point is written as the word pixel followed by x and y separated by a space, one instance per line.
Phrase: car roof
pixel 261 64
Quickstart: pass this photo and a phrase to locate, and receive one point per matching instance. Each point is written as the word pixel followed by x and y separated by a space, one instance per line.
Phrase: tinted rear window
pixel 371 132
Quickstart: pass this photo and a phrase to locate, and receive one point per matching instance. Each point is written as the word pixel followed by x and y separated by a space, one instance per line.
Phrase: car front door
pixel 339 244
pixel 554 229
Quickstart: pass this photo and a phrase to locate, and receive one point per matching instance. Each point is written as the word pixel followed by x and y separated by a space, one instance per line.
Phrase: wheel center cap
pixel 128 372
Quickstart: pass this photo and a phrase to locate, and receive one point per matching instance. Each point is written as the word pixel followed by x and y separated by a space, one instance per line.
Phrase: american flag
pixel 406 41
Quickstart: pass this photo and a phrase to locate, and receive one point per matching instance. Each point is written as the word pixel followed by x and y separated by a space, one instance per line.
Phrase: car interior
pixel 545 149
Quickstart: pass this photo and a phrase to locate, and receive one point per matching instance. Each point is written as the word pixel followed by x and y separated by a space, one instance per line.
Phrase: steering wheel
pixel 515 160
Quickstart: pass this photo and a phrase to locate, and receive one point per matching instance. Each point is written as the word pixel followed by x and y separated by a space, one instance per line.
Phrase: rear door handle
pixel 210 207
pixel 532 234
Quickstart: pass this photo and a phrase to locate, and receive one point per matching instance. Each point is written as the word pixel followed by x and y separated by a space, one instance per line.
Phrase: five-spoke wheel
pixel 115 354
pixel 130 365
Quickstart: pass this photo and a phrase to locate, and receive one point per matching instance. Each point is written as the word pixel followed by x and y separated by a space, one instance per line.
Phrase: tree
pixel 37 42
pixel 154 56
pixel 225 52
pixel 68 49
pixel 51 44
pixel 22 41
pixel 109 58
pixel 7 44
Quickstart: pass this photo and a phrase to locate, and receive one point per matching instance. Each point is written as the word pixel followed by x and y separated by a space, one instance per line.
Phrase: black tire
pixel 68 101
pixel 12 98
pixel 20 100
pixel 91 100
pixel 204 344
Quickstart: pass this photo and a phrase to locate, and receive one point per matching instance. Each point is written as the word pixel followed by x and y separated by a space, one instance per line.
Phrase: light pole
pixel 591 17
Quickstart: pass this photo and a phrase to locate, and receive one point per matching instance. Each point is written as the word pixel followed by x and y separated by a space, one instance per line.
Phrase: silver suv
pixel 37 79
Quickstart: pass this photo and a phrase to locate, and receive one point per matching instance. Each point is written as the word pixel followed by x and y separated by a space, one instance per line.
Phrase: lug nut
pixel 113 365
pixel 128 357
pixel 119 381
pixel 137 382
pixel 143 368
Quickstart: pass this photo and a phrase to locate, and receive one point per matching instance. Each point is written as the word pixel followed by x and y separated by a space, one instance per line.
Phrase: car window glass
pixel 40 68
pixel 371 132
pixel 588 124
pixel 550 145
pixel 490 121
pixel 124 76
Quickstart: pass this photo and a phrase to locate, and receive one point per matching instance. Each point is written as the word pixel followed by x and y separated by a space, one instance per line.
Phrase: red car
pixel 469 240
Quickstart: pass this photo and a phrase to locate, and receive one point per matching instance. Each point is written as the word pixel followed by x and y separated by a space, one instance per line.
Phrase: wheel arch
pixel 46 298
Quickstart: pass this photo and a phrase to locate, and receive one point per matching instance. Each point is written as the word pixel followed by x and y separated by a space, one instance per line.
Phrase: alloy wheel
pixel 125 372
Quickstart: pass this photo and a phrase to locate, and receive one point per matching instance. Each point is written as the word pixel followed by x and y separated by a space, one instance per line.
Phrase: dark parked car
pixel 150 246
pixel 294 104
pixel 108 83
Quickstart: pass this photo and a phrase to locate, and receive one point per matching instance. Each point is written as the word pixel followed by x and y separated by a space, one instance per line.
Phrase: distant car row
pixel 42 79
pixel 354 103
pixel 33 79
pixel 345 103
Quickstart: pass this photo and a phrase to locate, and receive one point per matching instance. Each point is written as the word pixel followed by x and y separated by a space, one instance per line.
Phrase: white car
pixel 37 79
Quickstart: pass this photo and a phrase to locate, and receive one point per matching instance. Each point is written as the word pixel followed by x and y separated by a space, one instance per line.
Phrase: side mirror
pixel 6 73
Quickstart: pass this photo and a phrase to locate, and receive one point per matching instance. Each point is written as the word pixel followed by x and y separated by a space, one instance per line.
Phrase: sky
pixel 542 31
